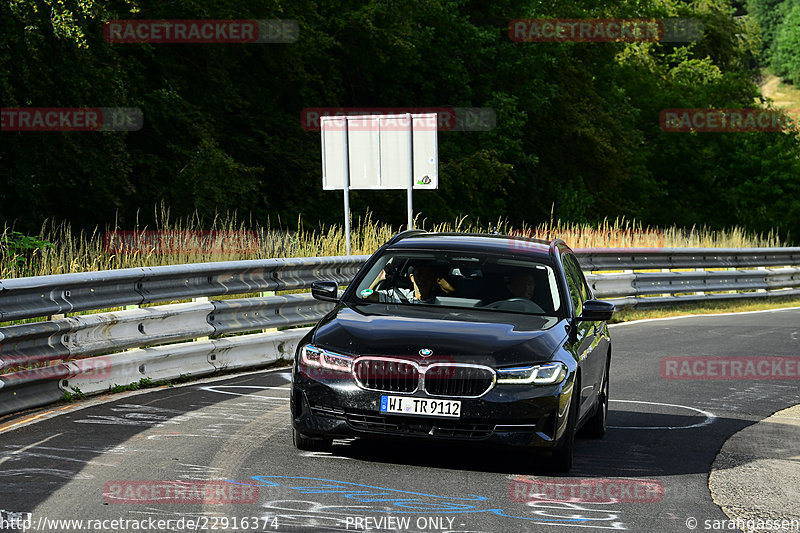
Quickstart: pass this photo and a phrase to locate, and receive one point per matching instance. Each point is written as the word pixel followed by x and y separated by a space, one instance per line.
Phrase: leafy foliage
pixel 577 133
pixel 22 251
pixel 75 395
pixel 786 54
pixel 768 14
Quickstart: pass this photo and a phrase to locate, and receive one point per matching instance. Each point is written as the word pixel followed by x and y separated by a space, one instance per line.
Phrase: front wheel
pixel 308 444
pixel 596 426
pixel 561 460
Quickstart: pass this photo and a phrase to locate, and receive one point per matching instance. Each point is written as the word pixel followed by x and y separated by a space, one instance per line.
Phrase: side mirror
pixel 327 291
pixel 597 311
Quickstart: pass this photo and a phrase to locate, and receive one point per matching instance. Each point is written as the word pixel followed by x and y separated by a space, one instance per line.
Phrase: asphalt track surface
pixel 664 431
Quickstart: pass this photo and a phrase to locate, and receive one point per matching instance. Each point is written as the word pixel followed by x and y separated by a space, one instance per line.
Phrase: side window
pixel 584 289
pixel 573 284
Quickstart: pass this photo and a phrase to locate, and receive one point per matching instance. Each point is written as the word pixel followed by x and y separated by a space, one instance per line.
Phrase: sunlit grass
pixel 84 251
pixel 783 95
pixel 88 251
pixel 706 308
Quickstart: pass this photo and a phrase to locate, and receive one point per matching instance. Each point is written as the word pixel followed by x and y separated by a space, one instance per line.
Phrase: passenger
pixel 522 283
pixel 520 288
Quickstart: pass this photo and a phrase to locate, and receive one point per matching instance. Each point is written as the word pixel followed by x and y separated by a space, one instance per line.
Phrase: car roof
pixel 475 242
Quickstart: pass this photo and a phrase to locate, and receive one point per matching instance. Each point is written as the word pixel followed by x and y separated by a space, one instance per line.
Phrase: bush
pixel 20 251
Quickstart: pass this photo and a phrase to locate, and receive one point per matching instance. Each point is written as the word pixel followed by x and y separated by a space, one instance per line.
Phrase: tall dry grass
pixel 88 251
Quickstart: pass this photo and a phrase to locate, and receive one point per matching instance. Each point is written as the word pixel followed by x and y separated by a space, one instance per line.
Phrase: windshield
pixel 456 279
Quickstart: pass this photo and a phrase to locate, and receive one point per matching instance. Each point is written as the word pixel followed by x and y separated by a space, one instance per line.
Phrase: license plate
pixel 420 406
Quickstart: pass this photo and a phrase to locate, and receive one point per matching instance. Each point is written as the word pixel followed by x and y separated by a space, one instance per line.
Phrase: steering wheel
pixel 519 304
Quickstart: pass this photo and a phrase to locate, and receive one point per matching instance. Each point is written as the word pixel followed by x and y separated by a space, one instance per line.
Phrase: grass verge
pixel 58 249
pixel 783 95
pixel 710 308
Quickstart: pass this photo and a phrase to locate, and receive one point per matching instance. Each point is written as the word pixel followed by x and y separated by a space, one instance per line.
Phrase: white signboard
pixel 380 150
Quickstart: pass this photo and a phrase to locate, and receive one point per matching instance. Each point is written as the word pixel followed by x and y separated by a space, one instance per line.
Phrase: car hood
pixel 498 339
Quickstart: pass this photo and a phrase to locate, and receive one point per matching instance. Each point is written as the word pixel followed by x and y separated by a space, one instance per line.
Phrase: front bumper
pixel 508 415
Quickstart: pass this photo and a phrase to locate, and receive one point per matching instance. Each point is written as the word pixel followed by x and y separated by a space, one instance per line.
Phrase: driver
pixel 424 281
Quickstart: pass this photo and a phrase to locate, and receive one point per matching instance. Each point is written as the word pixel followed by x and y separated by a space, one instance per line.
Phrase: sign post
pixel 346 188
pixel 410 150
pixel 379 152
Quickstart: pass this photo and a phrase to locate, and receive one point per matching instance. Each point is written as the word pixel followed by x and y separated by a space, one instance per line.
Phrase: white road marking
pixel 54 472
pixel 28 447
pixel 326 455
pixel 52 413
pixel 710 417
pixel 215 388
pixel 153 437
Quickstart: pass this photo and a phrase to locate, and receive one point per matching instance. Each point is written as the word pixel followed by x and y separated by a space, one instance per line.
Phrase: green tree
pixel 769 14
pixel 786 49
pixel 577 123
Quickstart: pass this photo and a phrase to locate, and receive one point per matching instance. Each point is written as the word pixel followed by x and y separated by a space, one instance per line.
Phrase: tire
pixel 596 426
pixel 561 460
pixel 307 444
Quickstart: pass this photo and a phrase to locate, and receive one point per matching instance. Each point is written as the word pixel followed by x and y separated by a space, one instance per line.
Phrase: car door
pixel 586 332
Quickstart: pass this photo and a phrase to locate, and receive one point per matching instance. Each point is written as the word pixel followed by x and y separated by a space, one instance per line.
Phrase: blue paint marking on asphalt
pixel 400 498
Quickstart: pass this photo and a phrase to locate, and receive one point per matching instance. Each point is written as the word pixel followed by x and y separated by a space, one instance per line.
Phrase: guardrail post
pixel 667 270
pixel 200 299
pixel 264 294
pixel 130 308
pixel 700 293
pixel 764 269
pixel 729 269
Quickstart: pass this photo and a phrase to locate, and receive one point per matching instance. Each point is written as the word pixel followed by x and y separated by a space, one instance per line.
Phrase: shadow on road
pixel 640 445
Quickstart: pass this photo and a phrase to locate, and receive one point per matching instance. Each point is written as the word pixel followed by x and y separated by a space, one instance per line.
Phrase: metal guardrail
pixel 87 335
pixel 36 387
pixel 68 293
pixel 652 283
pixel 598 259
pixel 71 349
pixel 739 269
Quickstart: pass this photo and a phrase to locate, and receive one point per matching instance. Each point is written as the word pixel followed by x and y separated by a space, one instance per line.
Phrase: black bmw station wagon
pixel 465 337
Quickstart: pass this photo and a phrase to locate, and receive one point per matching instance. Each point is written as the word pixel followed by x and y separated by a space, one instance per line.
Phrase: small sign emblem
pixel 426 352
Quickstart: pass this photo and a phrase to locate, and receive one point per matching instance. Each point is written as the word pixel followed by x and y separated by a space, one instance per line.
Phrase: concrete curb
pixel 756 475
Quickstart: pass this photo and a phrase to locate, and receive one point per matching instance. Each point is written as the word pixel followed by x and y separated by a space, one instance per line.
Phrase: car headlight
pixel 546 374
pixel 317 357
